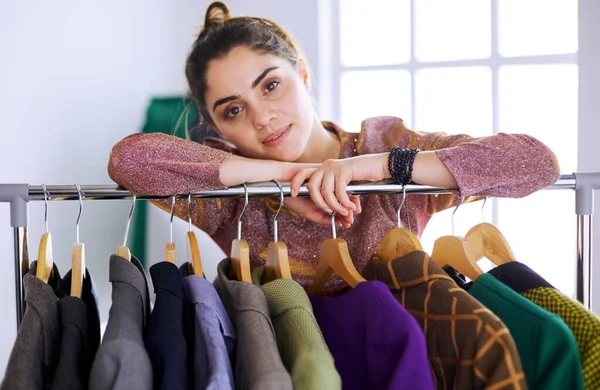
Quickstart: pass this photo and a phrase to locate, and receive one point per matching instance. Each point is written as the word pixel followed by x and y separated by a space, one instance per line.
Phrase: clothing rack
pixel 18 195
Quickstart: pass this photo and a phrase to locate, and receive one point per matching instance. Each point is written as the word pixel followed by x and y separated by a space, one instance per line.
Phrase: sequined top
pixel 502 165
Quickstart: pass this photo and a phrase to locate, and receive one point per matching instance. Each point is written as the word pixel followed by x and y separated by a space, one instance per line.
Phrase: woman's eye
pixel 233 111
pixel 271 86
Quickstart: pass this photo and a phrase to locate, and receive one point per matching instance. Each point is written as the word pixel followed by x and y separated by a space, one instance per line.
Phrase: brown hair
pixel 222 33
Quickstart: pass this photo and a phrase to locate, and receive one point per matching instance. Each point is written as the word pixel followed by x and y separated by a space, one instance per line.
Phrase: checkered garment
pixel 584 324
pixel 468 346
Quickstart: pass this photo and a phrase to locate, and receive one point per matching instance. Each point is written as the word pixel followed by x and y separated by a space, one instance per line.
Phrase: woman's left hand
pixel 327 184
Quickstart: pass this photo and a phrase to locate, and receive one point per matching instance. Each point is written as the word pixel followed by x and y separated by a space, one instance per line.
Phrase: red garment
pixel 503 165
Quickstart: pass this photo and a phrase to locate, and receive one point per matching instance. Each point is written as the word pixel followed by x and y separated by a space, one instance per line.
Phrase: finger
pixel 299 179
pixel 314 190
pixel 345 221
pixel 342 195
pixel 356 200
pixel 327 190
pixel 319 217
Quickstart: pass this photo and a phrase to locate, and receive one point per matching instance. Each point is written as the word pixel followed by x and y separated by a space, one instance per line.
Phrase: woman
pixel 251 85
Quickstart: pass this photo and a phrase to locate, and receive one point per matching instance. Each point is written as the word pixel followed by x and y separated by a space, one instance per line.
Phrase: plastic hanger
pixel 456 252
pixel 278 265
pixel 170 246
pixel 123 251
pixel 487 241
pixel 240 251
pixel 193 247
pixel 78 255
pixel 45 261
pixel 398 242
pixel 334 257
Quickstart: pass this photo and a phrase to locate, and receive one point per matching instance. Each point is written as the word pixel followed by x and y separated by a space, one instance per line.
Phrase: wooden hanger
pixel 170 246
pixel 334 257
pixel 456 252
pixel 78 256
pixel 45 261
pixel 123 251
pixel 240 251
pixel 398 242
pixel 487 241
pixel 193 247
pixel 278 264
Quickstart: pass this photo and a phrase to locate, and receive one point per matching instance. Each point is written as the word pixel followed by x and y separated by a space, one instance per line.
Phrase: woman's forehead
pixel 235 73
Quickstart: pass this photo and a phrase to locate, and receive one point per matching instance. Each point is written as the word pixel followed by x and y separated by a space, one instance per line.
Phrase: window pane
pixel 374 93
pixel 452 30
pixel 535 27
pixel 454 100
pixel 541 230
pixel 375 32
pixel 541 100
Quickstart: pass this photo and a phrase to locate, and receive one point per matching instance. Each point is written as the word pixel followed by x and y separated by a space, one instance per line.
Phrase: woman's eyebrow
pixel 223 101
pixel 262 76
pixel 254 84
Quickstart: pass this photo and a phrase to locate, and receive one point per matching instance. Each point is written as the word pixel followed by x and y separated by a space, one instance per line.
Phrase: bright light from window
pixel 452 30
pixel 374 32
pixel 374 93
pixel 535 27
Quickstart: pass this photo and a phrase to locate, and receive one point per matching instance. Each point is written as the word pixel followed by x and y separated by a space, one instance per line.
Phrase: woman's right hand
pixel 305 208
pixel 237 170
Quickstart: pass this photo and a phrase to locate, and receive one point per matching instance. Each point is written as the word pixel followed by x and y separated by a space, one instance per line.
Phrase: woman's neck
pixel 322 145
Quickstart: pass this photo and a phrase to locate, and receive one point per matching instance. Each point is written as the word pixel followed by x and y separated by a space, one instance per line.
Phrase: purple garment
pixel 375 342
pixel 214 341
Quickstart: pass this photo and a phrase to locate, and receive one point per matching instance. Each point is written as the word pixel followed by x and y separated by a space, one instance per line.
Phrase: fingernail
pixel 353 206
pixel 328 211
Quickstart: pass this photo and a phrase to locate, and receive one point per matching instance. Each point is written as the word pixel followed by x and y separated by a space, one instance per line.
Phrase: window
pixel 476 67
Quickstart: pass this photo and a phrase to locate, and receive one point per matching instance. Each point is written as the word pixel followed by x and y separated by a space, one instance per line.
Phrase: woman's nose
pixel 263 117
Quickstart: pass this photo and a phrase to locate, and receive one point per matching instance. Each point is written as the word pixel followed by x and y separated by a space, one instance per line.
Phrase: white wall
pixel 75 77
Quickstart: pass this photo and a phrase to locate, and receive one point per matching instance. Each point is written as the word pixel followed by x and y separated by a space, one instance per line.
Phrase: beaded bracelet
pixel 400 164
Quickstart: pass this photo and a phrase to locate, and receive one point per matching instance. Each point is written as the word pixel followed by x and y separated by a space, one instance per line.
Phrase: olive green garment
pixel 301 345
pixel 547 347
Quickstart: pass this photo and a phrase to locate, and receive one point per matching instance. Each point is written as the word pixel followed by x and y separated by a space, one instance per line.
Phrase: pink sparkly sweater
pixel 503 165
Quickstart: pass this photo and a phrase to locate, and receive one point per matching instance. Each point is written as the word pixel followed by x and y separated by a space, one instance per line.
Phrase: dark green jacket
pixel 547 347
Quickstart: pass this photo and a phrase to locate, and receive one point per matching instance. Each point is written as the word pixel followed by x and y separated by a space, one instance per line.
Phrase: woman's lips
pixel 277 137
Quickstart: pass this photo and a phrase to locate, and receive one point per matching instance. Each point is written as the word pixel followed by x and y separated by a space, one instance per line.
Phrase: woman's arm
pixel 160 164
pixel 503 165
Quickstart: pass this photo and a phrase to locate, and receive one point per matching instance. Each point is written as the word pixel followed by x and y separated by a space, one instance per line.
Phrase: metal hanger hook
pixel 239 223
pixel 81 197
pixel 189 202
pixel 401 204
pixel 482 209
pixel 171 220
pixel 333 232
pixel 275 231
pixel 46 198
pixel 456 208
pixel 129 220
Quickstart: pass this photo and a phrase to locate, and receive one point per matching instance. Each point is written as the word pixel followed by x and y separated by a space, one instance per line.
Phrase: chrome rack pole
pixel 19 194
pixel 586 183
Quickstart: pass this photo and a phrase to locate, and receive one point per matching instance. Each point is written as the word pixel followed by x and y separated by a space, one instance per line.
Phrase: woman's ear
pixel 302 68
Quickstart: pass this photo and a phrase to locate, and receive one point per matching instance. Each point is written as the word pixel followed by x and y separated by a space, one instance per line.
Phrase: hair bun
pixel 217 13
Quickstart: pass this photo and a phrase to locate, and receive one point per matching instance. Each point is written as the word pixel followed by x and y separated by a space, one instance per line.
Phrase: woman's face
pixel 260 103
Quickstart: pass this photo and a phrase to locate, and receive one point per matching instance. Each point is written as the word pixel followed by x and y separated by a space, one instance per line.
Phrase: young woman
pixel 251 85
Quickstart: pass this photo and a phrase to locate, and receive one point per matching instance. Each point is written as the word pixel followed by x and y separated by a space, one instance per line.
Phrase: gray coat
pixel 122 361
pixel 34 356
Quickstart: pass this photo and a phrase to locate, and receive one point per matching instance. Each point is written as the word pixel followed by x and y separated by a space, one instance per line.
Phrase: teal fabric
pixel 547 347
